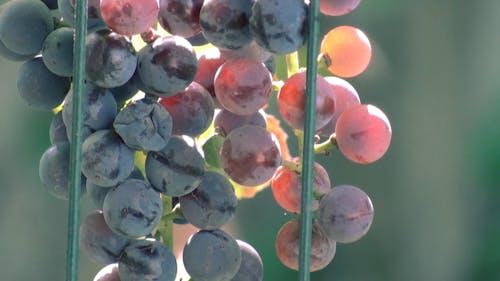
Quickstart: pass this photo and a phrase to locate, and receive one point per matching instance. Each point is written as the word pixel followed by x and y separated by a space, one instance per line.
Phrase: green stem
pixel 75 164
pixel 308 147
pixel 166 225
pixel 292 63
pixel 292 166
pixel 327 146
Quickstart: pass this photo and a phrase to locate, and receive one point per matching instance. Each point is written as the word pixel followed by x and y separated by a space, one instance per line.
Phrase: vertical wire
pixel 76 141
pixel 308 149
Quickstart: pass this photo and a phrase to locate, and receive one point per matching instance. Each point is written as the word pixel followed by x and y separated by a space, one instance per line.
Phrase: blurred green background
pixel 436 74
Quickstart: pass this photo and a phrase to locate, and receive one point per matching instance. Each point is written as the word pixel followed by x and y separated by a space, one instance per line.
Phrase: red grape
pixel 291 101
pixel 129 17
pixel 243 86
pixel 363 133
pixel 286 187
pixel 287 246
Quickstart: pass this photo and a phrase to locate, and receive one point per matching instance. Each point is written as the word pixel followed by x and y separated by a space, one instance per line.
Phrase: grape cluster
pixel 175 128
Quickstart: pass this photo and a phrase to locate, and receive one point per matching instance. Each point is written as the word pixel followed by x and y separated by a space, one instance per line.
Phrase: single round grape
pixel 129 17
pixel 106 160
pixel 175 170
pixel 288 241
pixel 133 208
pixel 211 204
pixel 57 131
pixel 286 187
pixel 250 155
pixel 180 17
pixel 99 109
pixel 224 23
pixel 98 241
pixel 346 213
pixel 39 87
pixel 144 125
pixel 167 66
pixel 363 133
pixel 147 260
pixel 243 86
pixel 211 255
pixel 98 193
pixel 292 99
pixel 346 96
pixel 108 273
pixel 347 51
pixel 53 170
pixel 57 51
pixel 192 110
pixel 337 7
pixel 24 24
pixel 279 26
pixel 111 59
pixel 226 121
pixel 251 267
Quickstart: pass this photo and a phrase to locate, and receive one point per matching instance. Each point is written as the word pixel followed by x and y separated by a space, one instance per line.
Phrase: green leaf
pixel 211 149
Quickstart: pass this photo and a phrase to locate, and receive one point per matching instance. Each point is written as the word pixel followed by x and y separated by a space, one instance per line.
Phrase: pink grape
pixel 345 97
pixel 129 17
pixel 363 133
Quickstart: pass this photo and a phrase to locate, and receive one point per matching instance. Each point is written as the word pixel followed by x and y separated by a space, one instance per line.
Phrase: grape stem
pixel 166 225
pixel 326 146
pixel 292 63
pixel 292 166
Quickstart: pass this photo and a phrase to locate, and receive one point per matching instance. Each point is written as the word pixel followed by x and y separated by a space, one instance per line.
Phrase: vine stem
pixel 308 147
pixel 75 164
pixel 327 146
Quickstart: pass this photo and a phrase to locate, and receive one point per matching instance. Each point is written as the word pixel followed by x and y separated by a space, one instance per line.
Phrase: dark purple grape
pixel 279 26
pixel 226 121
pixel 147 260
pixel 24 24
pixel 192 110
pixel 106 159
pixel 251 267
pixel 167 66
pixel 144 125
pixel 211 255
pixel 124 92
pixel 225 23
pixel 53 170
pixel 346 213
pixel 57 51
pixel 250 155
pixel 209 62
pixel 98 241
pixel 175 170
pixel 99 109
pixel 133 208
pixel 180 17
pixel 111 59
pixel 57 131
pixel 243 86
pixel 211 204
pixel 39 87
